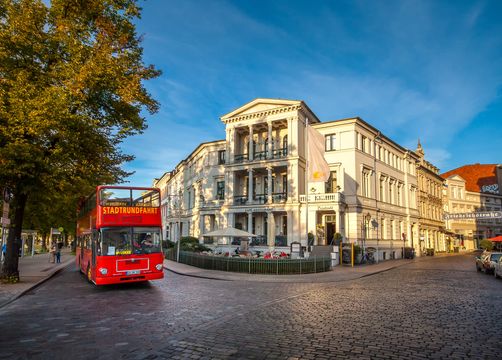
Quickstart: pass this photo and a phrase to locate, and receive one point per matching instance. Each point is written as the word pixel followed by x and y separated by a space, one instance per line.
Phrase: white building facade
pixel 255 180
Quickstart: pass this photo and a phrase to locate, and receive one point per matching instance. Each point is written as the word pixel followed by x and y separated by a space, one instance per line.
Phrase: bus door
pixel 96 246
pixel 81 244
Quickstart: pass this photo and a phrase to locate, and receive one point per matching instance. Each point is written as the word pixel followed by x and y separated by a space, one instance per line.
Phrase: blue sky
pixel 413 69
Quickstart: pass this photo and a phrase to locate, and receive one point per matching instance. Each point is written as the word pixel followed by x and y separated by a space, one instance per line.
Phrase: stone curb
pixel 37 284
pixel 277 280
pixel 195 275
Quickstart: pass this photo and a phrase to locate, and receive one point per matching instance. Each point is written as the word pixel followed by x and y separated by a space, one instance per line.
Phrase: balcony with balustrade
pixel 260 141
pixel 323 198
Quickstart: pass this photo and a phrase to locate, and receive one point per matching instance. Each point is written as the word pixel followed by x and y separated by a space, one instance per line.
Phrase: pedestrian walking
pixel 52 253
pixel 58 254
pixel 4 250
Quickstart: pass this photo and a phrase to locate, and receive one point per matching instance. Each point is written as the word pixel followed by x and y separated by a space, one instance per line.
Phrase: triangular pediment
pixel 259 105
pixel 455 177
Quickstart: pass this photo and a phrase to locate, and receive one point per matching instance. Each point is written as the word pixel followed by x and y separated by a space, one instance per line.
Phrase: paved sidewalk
pixel 33 270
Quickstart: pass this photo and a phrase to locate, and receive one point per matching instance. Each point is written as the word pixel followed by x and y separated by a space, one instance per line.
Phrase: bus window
pixel 146 240
pixel 115 197
pixel 116 241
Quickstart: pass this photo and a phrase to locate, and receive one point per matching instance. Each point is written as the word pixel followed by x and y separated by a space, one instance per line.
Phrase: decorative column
pixel 271 229
pixel 230 144
pixel 289 232
pixel 290 136
pixel 269 190
pixel 250 222
pixel 250 186
pixel 269 149
pixel 230 219
pixel 251 150
pixel 201 226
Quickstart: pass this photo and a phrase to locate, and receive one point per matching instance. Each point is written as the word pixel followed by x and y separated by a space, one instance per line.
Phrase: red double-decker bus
pixel 119 235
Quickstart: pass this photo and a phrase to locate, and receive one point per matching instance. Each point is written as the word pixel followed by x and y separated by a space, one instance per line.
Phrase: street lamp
pixel 374 223
pixel 367 219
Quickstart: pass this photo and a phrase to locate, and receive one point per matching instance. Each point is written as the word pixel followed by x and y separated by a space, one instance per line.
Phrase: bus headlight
pixel 103 271
pixel 158 267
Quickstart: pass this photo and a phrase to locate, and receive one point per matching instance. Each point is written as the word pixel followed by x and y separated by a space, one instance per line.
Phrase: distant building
pixel 255 180
pixel 474 200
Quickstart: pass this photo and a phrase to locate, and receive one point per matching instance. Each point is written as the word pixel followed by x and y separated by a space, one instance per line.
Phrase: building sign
pixel 493 188
pixel 128 210
pixel 325 207
pixel 265 209
pixel 473 215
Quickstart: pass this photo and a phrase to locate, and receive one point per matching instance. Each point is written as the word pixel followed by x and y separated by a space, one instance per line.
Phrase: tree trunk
pixel 44 244
pixel 10 271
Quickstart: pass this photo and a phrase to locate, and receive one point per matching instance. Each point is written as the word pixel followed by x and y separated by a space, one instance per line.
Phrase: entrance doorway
pixel 330 228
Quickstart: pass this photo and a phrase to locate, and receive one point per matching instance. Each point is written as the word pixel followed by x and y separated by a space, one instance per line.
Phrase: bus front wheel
pixel 89 274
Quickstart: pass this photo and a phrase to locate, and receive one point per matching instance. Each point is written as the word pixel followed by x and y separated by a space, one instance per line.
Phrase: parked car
pixel 480 260
pixel 497 271
pixel 490 261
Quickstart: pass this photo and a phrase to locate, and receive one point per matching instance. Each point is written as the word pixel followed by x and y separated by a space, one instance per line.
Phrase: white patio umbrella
pixel 229 232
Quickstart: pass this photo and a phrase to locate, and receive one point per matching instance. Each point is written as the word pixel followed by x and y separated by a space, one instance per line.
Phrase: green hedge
pixel 253 265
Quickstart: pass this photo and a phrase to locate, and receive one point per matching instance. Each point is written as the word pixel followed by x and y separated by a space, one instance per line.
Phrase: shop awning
pixel 496 239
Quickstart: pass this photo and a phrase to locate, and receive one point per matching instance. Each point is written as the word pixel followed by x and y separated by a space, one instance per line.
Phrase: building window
pixel 220 190
pixel 391 192
pixel 285 142
pixel 330 142
pixel 363 144
pixel 221 157
pixel 382 189
pixel 365 183
pixel 331 185
pixel 413 197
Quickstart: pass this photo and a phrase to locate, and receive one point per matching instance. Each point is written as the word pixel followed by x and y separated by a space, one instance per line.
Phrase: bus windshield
pixel 129 240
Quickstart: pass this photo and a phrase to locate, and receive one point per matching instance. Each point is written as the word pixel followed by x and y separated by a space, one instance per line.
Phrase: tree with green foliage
pixel 486 245
pixel 190 243
pixel 71 90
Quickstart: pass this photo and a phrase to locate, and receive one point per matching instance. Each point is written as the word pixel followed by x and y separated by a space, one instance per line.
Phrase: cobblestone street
pixel 438 308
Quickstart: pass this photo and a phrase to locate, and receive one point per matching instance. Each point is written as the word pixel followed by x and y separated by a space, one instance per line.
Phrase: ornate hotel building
pixel 255 180
pixel 473 189
pixel 430 205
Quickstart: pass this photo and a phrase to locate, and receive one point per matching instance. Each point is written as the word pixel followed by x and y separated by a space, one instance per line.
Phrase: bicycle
pixel 368 258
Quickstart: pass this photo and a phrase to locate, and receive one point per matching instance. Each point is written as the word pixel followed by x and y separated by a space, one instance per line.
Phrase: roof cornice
pixel 261 114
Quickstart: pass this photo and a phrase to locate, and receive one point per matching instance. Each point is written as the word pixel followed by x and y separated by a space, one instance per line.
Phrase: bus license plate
pixel 132 272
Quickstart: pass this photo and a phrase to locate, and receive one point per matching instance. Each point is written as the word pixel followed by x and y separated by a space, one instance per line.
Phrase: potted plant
pixel 337 239
pixel 310 239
